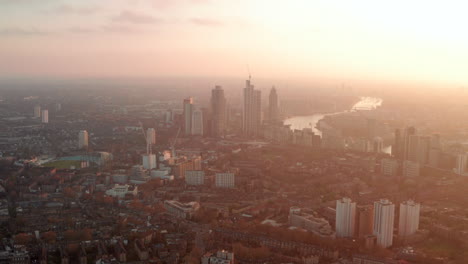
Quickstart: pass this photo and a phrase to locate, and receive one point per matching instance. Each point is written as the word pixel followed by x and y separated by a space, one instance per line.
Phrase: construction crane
pixel 173 144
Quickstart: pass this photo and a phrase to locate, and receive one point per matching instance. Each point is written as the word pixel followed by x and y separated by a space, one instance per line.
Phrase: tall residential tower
pixel 218 112
pixel 345 217
pixel 384 216
pixel 252 111
pixel 409 218
pixel 45 116
pixel 273 110
pixel 462 164
pixel 37 111
pixel 83 139
pixel 187 116
pixel 197 122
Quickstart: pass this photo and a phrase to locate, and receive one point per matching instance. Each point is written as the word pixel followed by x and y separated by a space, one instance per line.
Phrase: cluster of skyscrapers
pixel 198 122
pixel 412 151
pixel 195 119
pixel 416 148
pixel 376 222
pixel 252 110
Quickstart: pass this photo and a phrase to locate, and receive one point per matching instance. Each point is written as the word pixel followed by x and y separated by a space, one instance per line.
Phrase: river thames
pixel 310 121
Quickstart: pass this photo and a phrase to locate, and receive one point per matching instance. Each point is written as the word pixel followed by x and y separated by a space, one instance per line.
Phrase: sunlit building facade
pixel 45 116
pixel 384 216
pixel 409 218
pixel 187 116
pixel 83 138
pixel 345 217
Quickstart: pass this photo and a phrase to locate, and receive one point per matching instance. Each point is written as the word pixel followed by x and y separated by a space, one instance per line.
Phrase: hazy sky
pixel 393 40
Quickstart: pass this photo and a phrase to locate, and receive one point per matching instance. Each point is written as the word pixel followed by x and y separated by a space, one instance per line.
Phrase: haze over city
pixel 399 41
pixel 233 131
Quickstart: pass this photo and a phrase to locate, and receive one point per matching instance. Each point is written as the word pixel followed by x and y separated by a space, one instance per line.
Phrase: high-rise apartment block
pixel 389 167
pixel 225 180
pixel 37 111
pixel 377 145
pixel 149 161
pixel 397 147
pixel 169 116
pixel 197 122
pixel 183 165
pixel 193 123
pixel 45 116
pixel 365 220
pixel 151 136
pixel 218 112
pixel 402 142
pixel 384 216
pixel 252 111
pixel 273 109
pixel 462 164
pixel 83 138
pixel 187 115
pixel 409 218
pixel 345 217
pixel 411 169
pixel 424 147
pixel 194 177
pixel 412 148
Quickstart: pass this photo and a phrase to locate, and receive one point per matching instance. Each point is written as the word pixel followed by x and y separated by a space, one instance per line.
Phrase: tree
pixel 49 237
pixel 71 235
pixel 87 234
pixel 194 256
pixel 250 253
pixel 23 239
pixel 69 192
pixel 108 200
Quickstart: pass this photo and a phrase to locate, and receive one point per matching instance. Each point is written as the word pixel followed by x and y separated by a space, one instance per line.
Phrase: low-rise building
pixel 181 210
pixel 120 191
pixel 221 257
pixel 364 259
pixel 16 257
pixel 310 222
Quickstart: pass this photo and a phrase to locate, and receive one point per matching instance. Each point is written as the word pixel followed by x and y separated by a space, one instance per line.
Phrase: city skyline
pixel 233 131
